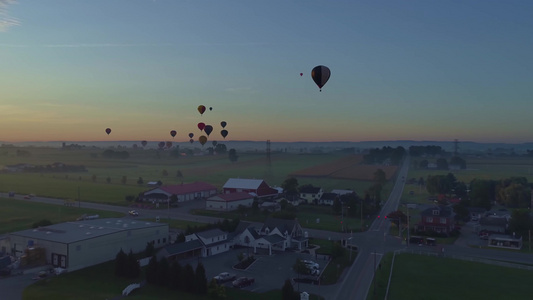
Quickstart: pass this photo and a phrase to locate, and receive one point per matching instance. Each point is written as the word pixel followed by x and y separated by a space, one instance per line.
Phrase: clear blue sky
pixel 418 70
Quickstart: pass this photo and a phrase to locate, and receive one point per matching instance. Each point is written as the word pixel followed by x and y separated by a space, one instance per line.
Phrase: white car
pixel 133 213
pixel 311 264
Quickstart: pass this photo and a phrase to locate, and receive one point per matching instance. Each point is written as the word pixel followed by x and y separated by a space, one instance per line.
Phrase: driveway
pixel 269 271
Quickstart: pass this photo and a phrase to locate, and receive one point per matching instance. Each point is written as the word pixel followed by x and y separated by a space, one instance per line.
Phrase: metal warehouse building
pixel 80 244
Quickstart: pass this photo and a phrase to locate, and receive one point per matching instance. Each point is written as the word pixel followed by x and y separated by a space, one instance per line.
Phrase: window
pixel 164 240
pixel 443 220
pixel 429 219
pixel 435 212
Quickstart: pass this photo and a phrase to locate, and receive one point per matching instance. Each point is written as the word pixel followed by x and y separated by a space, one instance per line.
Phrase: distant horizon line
pixel 264 141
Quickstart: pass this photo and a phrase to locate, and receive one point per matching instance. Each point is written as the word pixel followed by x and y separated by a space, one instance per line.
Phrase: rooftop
pixel 71 232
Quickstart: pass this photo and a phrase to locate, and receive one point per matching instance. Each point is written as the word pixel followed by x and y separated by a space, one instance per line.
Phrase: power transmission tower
pixel 269 162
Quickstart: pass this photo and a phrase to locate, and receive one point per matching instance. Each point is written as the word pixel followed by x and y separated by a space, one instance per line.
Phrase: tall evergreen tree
pixel 120 263
pixel 188 278
pixel 162 272
pixel 151 271
pixel 133 270
pixel 200 279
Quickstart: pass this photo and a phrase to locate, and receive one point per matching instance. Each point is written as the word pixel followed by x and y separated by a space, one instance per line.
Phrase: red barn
pixel 256 187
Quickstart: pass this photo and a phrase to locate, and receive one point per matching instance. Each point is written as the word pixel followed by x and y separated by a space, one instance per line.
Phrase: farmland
pixel 111 180
pixel 349 167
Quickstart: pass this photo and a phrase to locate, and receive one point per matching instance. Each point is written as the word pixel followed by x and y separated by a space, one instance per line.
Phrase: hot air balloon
pixel 161 145
pixel 144 143
pixel 168 144
pixel 202 139
pixel 223 124
pixel 210 108
pixel 214 143
pixel 191 141
pixel 224 133
pixel 320 75
pixel 201 126
pixel 201 109
pixel 208 129
pixel 108 131
pixel 301 74
pixel 173 133
pixel 191 135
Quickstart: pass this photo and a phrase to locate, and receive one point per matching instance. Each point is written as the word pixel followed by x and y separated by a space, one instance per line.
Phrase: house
pixel 342 192
pixel 229 202
pixel 270 206
pixel 437 219
pixel 257 187
pixel 200 244
pixel 274 234
pixel 493 224
pixel 310 194
pixel 181 192
pixel 214 241
pixel 328 199
pixel 476 213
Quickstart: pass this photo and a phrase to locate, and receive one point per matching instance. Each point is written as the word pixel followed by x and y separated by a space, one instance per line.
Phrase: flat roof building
pixel 80 244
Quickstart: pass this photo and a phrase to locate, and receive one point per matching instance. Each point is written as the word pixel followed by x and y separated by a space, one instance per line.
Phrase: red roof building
pixel 182 192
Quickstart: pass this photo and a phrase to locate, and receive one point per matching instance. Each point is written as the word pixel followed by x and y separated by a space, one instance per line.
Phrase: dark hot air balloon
pixel 202 140
pixel 191 135
pixel 301 74
pixel 201 109
pixel 208 129
pixel 210 108
pixel 224 133
pixel 144 143
pixel 108 131
pixel 201 126
pixel 320 75
pixel 191 141
pixel 173 133
pixel 223 124
pixel 161 145
pixel 168 144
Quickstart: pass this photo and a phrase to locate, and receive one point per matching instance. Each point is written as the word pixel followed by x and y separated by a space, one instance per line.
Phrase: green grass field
pixel 150 165
pixel 422 277
pixel 18 215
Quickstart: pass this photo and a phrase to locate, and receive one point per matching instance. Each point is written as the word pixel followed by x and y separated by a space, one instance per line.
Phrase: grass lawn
pixel 423 277
pixel 99 282
pixel 18 215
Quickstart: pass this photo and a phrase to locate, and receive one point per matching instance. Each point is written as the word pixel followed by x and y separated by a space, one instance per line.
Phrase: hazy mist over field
pixel 463 147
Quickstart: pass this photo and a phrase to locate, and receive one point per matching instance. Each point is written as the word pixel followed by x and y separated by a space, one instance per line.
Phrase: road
pixel 372 244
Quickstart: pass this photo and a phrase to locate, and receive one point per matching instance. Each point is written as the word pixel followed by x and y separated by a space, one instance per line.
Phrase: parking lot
pixel 270 272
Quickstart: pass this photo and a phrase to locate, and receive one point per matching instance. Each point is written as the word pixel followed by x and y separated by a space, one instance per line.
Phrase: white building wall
pixel 104 248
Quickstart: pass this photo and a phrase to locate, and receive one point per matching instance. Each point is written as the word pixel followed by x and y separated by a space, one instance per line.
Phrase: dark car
pixel 243 281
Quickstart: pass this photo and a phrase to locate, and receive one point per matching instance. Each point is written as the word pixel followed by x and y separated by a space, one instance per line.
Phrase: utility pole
pixel 362 215
pixel 408 237
pixel 375 279
pixel 79 203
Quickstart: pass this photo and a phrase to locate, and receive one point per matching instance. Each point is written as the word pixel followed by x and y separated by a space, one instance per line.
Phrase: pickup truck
pixel 224 277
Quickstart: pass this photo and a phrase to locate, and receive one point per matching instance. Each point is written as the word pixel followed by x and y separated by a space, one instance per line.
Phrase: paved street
pixel 271 271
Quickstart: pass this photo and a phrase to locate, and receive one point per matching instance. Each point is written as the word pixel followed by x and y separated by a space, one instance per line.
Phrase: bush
pixel 41 223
